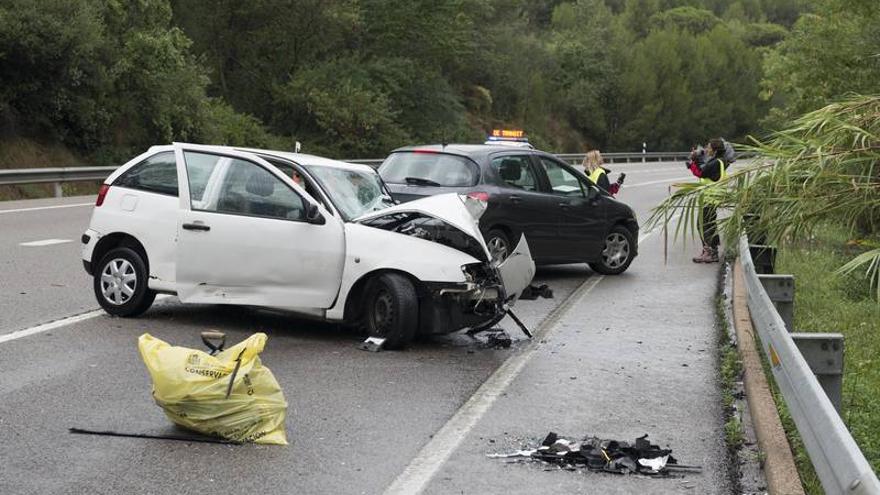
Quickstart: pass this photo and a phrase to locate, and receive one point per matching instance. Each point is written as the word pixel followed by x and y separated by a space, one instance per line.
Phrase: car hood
pixel 459 211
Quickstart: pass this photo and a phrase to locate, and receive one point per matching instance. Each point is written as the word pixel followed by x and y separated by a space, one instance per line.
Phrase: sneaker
pixel 704 257
pixel 713 256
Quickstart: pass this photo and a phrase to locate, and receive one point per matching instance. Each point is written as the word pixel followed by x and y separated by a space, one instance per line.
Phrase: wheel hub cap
pixel 616 250
pixel 498 248
pixel 118 281
pixel 383 313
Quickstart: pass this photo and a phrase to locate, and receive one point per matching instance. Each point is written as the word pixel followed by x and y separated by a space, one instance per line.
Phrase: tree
pixel 827 54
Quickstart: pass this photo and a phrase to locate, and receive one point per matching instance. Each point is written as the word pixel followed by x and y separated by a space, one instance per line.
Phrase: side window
pixel 243 188
pixel 199 167
pixel 516 171
pixel 157 174
pixel 562 182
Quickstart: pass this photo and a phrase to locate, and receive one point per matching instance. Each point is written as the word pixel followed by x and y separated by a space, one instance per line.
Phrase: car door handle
pixel 196 226
pixel 515 199
pixel 564 206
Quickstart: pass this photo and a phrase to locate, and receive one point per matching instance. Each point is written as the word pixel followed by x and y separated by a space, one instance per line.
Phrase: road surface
pixel 615 357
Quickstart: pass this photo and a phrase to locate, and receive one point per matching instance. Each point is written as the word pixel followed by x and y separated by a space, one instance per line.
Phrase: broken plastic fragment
pixel 372 344
pixel 518 453
pixel 655 464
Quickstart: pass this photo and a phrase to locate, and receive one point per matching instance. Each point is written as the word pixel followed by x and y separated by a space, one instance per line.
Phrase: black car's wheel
pixel 120 283
pixel 391 310
pixel 618 251
pixel 499 244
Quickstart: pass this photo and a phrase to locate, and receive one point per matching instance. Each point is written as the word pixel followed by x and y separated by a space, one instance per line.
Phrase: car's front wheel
pixel 391 310
pixel 618 251
pixel 120 283
pixel 499 244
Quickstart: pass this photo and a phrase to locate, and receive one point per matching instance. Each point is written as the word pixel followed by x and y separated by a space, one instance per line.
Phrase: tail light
pixel 479 195
pixel 102 193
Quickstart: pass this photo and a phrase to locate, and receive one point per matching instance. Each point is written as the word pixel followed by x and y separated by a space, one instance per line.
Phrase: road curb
pixel 779 466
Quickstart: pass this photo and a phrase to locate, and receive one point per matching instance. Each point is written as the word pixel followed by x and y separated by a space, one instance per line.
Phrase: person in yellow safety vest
pixel 597 173
pixel 711 168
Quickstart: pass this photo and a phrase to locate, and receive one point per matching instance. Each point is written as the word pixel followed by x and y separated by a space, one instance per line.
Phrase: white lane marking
pixel 45 242
pixel 63 322
pixel 19 210
pixel 45 327
pixel 650 183
pixel 416 476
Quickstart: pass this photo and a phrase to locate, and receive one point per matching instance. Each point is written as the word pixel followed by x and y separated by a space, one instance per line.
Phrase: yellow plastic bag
pixel 191 386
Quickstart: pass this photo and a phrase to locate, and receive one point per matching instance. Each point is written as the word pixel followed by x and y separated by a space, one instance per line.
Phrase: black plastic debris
pixel 498 340
pixel 532 292
pixel 611 456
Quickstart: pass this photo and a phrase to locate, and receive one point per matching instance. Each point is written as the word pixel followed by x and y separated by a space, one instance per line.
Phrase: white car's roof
pixel 299 158
pixel 309 160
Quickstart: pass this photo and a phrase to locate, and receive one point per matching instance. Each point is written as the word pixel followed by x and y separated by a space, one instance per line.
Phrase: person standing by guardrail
pixel 710 170
pixel 598 174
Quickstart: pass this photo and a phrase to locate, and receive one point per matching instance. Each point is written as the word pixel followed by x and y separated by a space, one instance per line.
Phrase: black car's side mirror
pixel 313 215
pixel 592 193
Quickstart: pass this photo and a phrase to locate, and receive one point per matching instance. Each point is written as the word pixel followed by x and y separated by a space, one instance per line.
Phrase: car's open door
pixel 247 234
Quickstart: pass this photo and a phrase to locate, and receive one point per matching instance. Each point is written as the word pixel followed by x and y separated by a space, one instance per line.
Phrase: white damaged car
pixel 314 236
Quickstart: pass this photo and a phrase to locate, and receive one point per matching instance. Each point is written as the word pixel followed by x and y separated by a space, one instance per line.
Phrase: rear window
pixel 157 174
pixel 429 169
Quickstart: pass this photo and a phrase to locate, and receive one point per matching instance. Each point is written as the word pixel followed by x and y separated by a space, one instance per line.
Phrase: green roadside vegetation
pixel 730 371
pixel 826 301
pixel 355 79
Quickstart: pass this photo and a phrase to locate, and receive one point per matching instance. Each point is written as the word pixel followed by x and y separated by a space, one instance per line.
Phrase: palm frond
pixel 823 169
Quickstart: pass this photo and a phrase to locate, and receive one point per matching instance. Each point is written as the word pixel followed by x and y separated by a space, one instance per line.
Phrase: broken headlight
pixel 430 229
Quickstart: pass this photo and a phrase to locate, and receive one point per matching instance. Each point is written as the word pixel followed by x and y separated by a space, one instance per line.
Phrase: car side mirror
pixel 592 193
pixel 313 215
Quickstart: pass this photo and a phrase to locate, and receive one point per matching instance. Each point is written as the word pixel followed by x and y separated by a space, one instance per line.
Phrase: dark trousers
pixel 709 233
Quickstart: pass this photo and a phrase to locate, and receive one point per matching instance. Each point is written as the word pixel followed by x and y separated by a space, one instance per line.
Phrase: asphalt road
pixel 360 422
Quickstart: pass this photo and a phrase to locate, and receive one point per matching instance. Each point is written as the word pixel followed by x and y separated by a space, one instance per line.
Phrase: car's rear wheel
pixel 499 244
pixel 618 251
pixel 120 283
pixel 391 310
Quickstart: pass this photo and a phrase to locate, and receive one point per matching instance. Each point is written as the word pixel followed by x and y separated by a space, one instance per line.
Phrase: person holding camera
pixel 598 174
pixel 709 167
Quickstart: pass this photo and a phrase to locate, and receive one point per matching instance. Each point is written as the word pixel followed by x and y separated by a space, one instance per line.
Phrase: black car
pixel 564 216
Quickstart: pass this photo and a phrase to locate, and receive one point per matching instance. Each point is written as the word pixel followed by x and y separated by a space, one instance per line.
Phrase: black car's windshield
pixel 354 192
pixel 429 169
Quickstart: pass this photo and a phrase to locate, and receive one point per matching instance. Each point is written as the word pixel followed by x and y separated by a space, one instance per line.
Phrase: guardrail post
pixel 780 289
pixel 764 257
pixel 59 192
pixel 824 354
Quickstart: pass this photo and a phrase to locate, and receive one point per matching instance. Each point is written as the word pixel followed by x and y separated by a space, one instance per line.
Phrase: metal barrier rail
pixel 58 175
pixel 840 465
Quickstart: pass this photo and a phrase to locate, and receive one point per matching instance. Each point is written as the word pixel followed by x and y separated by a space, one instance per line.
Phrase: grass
pixel 827 302
pixel 730 372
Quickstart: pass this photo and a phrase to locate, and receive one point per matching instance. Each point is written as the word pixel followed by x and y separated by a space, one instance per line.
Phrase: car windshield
pixel 429 169
pixel 354 193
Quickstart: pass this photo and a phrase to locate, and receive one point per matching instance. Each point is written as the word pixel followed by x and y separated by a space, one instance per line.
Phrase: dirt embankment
pixel 20 152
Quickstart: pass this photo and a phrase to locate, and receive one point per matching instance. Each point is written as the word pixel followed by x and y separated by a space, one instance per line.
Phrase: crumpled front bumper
pixel 481 301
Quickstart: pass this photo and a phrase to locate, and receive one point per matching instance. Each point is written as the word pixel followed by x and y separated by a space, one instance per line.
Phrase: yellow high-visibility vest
pixel 706 180
pixel 595 174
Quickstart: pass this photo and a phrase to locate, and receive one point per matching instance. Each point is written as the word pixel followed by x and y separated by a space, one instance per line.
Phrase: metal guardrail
pixel 58 175
pixel 840 465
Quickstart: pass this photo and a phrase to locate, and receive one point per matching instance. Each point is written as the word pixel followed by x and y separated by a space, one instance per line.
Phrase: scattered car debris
pixel 532 292
pixel 229 394
pixel 611 456
pixel 491 338
pixel 372 344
